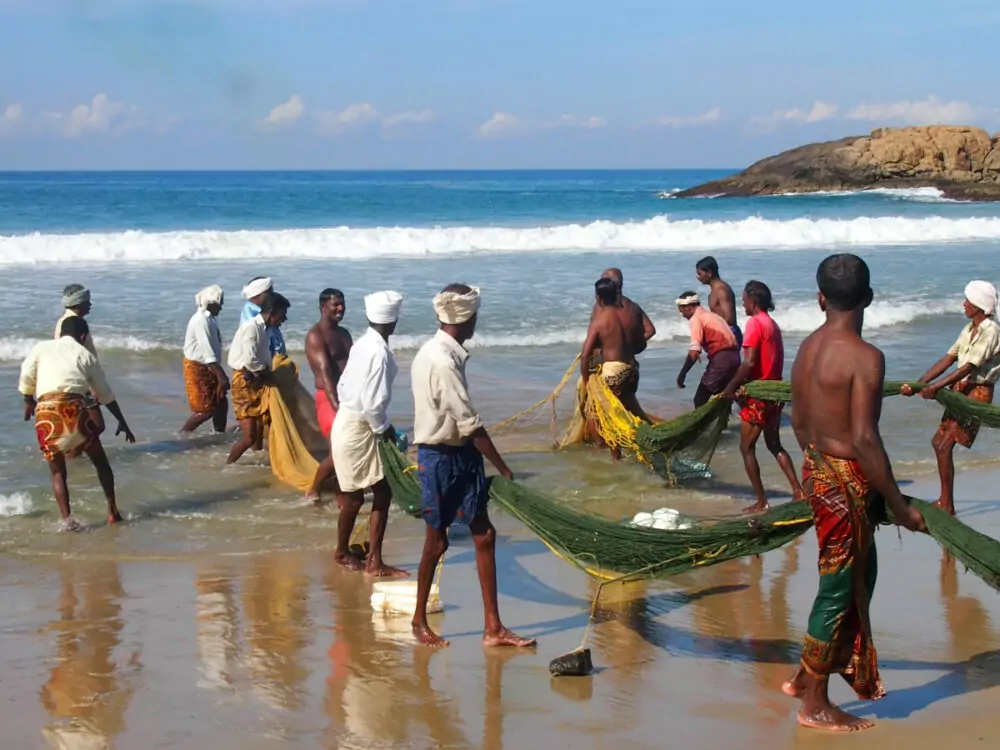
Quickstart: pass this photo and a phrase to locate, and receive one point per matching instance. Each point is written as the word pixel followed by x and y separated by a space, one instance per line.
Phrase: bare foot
pixel 70 524
pixel 798 496
pixel 427 637
pixel 314 498
pixel 504 637
pixel 758 507
pixel 945 505
pixel 115 517
pixel 616 454
pixel 381 570
pixel 349 561
pixel 832 719
pixel 794 688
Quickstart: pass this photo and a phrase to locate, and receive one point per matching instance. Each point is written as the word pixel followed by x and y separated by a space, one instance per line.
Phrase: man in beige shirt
pixel 56 380
pixel 451 442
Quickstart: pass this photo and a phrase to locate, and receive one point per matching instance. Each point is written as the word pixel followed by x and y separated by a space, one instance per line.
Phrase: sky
pixel 478 84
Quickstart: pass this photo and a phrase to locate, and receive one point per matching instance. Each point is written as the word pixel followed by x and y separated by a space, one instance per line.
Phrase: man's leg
pixel 630 402
pixel 944 448
pixel 379 518
pixel 324 472
pixel 494 633
pixel 221 415
pixel 57 466
pixel 250 430
pixel 106 477
pixel 772 438
pixel 701 396
pixel 435 545
pixel 749 434
pixel 350 503
pixel 197 420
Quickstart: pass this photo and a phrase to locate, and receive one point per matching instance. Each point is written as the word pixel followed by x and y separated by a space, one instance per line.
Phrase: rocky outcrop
pixel 962 162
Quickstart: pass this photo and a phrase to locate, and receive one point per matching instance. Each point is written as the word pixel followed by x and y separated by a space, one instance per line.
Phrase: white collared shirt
pixel 63 366
pixel 442 406
pixel 249 350
pixel 365 387
pixel 203 340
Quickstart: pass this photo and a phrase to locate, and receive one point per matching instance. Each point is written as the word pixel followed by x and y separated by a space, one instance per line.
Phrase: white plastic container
pixel 400 598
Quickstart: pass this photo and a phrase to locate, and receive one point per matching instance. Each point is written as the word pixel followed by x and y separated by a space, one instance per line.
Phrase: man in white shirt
pixel 56 380
pixel 364 392
pixel 451 442
pixel 250 360
pixel 205 381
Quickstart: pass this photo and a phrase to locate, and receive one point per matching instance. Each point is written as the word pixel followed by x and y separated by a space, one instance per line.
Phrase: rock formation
pixel 963 162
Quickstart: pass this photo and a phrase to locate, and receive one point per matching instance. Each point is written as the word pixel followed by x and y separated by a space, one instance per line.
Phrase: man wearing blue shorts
pixel 451 442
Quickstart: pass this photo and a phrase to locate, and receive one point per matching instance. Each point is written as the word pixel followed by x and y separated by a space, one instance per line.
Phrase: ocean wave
pixel 659 234
pixel 18 347
pixel 919 195
pixel 15 504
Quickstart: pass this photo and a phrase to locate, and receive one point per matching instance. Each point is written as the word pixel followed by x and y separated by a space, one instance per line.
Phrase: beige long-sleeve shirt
pixel 249 350
pixel 443 410
pixel 63 366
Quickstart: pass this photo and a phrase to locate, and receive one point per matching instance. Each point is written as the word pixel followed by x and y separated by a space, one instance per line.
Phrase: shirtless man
pixel 640 328
pixel 327 348
pixel 721 299
pixel 611 331
pixel 837 383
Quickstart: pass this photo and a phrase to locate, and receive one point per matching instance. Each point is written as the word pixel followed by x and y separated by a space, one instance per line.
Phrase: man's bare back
pixel 327 348
pixel 829 362
pixel 722 301
pixel 638 325
pixel 614 327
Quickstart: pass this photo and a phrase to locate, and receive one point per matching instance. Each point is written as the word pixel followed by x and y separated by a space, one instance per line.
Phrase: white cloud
pixel 13 115
pixel 102 115
pixel 506 125
pixel 705 118
pixel 931 111
pixel 285 113
pixel 410 117
pixel 353 115
pixel 820 111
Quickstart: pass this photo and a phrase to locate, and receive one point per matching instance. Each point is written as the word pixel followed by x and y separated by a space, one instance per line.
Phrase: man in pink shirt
pixel 711 334
pixel 764 359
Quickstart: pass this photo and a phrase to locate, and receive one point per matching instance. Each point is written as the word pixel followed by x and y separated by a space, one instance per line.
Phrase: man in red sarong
pixel 327 348
pixel 837 384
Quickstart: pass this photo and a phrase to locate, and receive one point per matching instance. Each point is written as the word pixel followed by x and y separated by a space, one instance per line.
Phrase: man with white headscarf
pixel 205 382
pixel 977 356
pixel 451 442
pixel 364 392
pixel 255 292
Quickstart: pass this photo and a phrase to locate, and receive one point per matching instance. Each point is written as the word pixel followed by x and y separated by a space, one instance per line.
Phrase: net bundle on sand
pixel 609 550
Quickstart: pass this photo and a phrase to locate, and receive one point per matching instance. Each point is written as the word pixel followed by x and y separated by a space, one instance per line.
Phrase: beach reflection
pixel 85 694
pixel 216 613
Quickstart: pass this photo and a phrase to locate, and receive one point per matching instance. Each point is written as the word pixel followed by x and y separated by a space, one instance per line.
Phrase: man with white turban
pixel 712 334
pixel 451 442
pixel 977 356
pixel 255 292
pixel 364 392
pixel 205 382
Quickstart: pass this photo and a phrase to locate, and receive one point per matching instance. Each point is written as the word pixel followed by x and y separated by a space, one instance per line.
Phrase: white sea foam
pixel 659 234
pixel 919 195
pixel 18 347
pixel 16 504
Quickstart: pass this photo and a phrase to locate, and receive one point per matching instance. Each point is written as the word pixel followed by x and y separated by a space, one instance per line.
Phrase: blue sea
pixel 533 241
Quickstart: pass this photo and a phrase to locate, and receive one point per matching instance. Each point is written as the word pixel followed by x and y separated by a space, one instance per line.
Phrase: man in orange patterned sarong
pixel 205 382
pixel 56 381
pixel 976 355
pixel 837 384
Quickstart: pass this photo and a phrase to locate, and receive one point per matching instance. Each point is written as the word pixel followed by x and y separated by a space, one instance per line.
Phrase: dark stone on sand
pixel 574 664
pixel 962 162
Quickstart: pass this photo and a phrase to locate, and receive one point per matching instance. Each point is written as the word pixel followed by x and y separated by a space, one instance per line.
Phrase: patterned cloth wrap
pixel 64 425
pixel 962 430
pixel 760 413
pixel 201 385
pixel 248 397
pixel 622 378
pixel 839 635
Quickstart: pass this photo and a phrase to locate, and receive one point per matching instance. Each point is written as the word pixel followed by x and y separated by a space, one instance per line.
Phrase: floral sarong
pixel 839 637
pixel 64 425
pixel 247 396
pixel 963 430
pixel 201 385
pixel 622 378
pixel 760 413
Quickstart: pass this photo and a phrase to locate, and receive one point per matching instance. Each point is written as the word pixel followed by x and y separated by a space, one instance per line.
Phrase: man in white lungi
pixel 364 392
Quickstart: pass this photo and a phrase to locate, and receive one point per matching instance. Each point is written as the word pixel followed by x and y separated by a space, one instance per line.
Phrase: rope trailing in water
pixel 610 550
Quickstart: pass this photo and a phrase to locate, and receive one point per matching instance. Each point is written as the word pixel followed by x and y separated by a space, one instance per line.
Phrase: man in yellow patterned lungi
pixel 205 381
pixel 57 380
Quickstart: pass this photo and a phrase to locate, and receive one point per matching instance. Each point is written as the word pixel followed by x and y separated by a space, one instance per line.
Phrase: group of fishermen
pixel 837 382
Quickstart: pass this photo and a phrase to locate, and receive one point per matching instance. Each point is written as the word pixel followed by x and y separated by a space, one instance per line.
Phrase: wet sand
pixel 276 647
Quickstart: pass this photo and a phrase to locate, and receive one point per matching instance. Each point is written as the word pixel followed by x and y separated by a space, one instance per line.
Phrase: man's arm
pixel 484 444
pixel 648 329
pixel 322 365
pixel 588 351
pixel 26 383
pixel 116 412
pixel 203 337
pixel 749 362
pixel 866 410
pixel 939 367
pixel 458 404
pixel 692 357
pixel 376 397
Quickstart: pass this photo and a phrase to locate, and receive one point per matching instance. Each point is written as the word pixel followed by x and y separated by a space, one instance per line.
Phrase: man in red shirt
pixel 764 359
